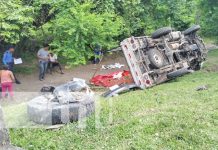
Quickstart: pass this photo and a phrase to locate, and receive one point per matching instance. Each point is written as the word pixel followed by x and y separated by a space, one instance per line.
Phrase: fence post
pixel 4 135
pixel 4 138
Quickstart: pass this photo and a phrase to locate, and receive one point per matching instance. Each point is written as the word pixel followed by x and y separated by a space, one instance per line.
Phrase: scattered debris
pixel 115 50
pixel 55 127
pixel 116 90
pixel 116 65
pixel 69 102
pixel 115 78
pixel 201 88
pixel 47 89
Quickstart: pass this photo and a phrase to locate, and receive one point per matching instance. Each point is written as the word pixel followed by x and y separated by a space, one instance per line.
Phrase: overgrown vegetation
pixel 73 27
pixel 169 116
pixel 209 16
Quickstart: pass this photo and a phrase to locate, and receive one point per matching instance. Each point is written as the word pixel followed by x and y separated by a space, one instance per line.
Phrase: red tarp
pixel 115 78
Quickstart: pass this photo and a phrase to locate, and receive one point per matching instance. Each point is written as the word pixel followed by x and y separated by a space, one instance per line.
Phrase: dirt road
pixel 30 83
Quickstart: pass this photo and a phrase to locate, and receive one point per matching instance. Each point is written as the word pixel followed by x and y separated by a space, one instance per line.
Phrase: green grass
pixel 29 63
pixel 25 70
pixel 169 116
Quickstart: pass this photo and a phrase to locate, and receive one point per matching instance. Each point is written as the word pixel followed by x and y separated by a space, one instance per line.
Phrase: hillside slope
pixel 169 116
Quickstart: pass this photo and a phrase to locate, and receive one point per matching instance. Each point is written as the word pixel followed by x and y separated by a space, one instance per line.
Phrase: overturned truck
pixel 163 56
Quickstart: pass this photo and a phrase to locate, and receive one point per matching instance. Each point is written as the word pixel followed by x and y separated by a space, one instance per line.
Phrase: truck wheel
pixel 161 32
pixel 156 58
pixel 195 65
pixel 192 29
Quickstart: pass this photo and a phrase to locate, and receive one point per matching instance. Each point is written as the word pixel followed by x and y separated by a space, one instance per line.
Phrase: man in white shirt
pixel 53 62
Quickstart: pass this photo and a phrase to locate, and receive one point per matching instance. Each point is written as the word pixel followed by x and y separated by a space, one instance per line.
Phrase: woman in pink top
pixel 7 79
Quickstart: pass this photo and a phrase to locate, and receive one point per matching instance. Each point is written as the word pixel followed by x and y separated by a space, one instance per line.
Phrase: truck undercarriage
pixel 163 56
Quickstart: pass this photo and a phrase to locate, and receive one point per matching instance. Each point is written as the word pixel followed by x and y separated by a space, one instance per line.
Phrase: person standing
pixel 43 57
pixel 7 79
pixel 98 54
pixel 8 60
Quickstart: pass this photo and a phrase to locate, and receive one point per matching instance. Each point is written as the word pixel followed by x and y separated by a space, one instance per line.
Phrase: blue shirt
pixel 97 50
pixel 7 57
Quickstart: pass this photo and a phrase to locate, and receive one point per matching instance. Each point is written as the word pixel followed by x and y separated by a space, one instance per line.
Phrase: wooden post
pixel 4 135
pixel 4 138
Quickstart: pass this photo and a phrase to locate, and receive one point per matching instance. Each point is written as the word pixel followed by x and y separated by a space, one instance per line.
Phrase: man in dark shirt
pixel 97 53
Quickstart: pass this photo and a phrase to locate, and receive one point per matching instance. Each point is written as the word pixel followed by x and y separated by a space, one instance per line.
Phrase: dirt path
pixel 30 83
pixel 210 46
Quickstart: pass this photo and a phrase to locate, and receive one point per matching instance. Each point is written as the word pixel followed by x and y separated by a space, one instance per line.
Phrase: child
pixel 7 79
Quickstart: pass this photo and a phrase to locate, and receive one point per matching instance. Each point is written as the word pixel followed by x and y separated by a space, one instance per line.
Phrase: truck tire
pixel 42 111
pixel 192 29
pixel 161 32
pixel 156 58
pixel 195 65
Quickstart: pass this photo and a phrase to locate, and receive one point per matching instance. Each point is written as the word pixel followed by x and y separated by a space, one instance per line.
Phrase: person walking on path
pixel 7 79
pixel 43 57
pixel 8 60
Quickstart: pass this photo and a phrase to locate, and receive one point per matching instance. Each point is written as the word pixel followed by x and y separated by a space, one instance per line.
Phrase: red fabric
pixel 7 86
pixel 108 79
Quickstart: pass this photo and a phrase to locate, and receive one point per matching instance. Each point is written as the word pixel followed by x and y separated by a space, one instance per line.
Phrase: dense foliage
pixel 15 20
pixel 73 27
pixel 76 29
pixel 209 17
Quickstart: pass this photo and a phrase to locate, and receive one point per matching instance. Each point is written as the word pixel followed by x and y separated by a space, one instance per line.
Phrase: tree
pixel 74 26
pixel 145 16
pixel 15 20
pixel 209 17
pixel 75 29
